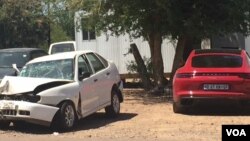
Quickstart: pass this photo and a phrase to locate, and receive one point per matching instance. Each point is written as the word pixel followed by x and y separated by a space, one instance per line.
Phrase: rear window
pixel 62 48
pixel 217 61
pixel 9 58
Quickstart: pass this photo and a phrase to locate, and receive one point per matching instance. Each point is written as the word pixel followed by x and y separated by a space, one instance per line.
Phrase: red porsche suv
pixel 212 74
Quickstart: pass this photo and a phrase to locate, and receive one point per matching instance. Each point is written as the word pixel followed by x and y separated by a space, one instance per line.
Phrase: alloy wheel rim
pixel 69 116
pixel 116 103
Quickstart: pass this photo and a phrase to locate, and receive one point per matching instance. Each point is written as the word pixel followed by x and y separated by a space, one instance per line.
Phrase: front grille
pixel 9 112
pixel 26 113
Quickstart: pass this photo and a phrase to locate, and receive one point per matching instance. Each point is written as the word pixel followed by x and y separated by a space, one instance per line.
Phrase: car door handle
pixel 95 80
pixel 107 73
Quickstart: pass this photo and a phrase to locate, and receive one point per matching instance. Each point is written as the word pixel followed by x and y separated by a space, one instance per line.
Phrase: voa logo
pixel 236 132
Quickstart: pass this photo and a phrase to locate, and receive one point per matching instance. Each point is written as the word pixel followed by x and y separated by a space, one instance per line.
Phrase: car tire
pixel 4 124
pixel 66 116
pixel 114 109
pixel 19 124
pixel 177 108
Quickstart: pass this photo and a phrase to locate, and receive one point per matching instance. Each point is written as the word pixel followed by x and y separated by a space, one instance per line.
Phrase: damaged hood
pixel 14 85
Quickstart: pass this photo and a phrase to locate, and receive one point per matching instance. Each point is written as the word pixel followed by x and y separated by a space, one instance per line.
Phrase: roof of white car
pixel 59 56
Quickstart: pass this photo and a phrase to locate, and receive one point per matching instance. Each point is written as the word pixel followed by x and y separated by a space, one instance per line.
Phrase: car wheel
pixel 114 109
pixel 177 108
pixel 4 124
pixel 67 116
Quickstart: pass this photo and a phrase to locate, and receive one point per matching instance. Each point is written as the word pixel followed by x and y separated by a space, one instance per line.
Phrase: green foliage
pixel 61 18
pixel 58 34
pixel 205 18
pixel 132 67
pixel 32 23
pixel 22 23
pixel 158 19
pixel 201 18
pixel 136 17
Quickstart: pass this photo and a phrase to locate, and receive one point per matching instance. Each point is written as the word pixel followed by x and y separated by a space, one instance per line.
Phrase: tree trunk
pixel 184 47
pixel 192 43
pixel 155 41
pixel 141 68
pixel 178 58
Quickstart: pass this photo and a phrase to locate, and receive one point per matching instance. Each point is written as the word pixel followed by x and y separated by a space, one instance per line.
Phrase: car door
pixel 88 86
pixel 102 74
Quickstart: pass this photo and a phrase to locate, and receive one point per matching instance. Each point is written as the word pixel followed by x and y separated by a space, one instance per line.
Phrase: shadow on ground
pixel 96 120
pixel 219 109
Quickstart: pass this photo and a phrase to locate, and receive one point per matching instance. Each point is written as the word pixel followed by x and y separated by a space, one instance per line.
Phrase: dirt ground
pixel 143 118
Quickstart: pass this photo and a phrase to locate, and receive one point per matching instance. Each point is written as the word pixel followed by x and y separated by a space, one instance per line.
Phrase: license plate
pixel 215 87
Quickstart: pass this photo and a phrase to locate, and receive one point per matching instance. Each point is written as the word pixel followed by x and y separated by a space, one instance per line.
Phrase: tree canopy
pixel 208 17
pixel 154 20
pixel 194 20
pixel 138 18
pixel 22 23
pixel 28 22
pixel 61 20
pixel 34 23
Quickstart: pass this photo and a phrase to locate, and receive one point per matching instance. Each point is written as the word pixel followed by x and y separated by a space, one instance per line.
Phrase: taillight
pixel 190 75
pixel 184 75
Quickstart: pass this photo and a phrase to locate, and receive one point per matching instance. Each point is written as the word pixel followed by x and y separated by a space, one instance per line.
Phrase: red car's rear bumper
pixel 189 96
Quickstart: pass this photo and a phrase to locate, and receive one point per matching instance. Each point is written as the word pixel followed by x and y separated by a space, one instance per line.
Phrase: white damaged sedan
pixel 61 89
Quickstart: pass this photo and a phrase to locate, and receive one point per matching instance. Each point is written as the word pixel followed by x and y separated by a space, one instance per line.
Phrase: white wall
pixel 114 48
pixel 247 44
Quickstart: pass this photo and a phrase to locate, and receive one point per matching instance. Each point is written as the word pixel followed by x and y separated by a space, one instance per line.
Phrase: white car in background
pixel 60 89
pixel 60 47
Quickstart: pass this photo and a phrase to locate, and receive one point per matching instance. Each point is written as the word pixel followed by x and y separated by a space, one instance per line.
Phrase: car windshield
pixel 217 61
pixel 55 69
pixel 9 58
pixel 62 48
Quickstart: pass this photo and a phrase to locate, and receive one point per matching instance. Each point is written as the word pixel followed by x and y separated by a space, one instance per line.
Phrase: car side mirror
pixel 84 75
pixel 16 69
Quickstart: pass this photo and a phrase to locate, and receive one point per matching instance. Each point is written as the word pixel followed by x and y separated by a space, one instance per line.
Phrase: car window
pixel 217 61
pixel 57 48
pixel 83 65
pixel 104 61
pixel 56 69
pixel 9 58
pixel 36 54
pixel 96 63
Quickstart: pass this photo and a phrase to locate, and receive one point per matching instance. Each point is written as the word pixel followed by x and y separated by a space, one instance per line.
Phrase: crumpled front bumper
pixel 27 111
